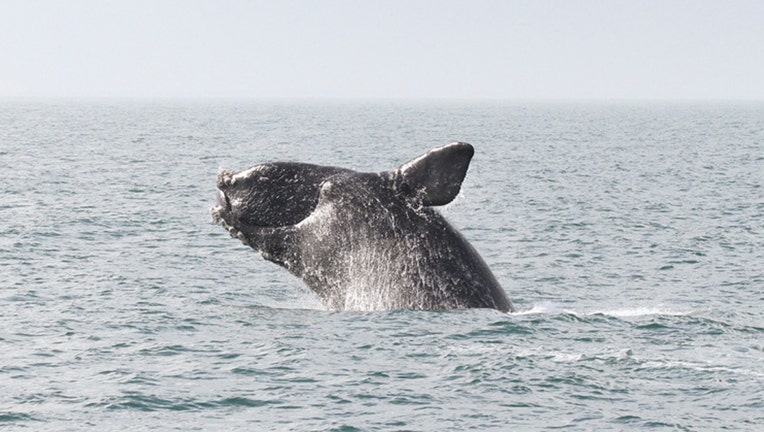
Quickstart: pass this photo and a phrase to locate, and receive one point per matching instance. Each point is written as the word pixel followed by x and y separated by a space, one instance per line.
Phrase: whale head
pixel 284 193
pixel 271 194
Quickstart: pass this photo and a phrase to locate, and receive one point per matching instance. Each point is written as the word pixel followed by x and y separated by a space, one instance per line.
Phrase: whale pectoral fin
pixel 438 174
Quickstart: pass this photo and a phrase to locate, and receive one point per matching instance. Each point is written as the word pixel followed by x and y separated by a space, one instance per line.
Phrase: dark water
pixel 629 236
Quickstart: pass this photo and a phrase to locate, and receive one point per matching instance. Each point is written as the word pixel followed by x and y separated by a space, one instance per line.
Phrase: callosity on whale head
pixel 363 241
pixel 272 194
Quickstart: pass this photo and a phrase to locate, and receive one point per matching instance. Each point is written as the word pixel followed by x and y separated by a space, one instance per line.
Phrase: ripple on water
pixel 627 235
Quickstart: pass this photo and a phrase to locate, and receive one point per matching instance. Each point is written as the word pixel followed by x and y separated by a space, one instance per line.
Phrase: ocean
pixel 629 236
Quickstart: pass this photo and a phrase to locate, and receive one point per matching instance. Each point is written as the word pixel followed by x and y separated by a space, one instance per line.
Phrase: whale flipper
pixel 439 173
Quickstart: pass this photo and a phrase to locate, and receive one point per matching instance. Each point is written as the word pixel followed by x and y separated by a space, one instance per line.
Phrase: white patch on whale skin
pixel 318 220
pixel 246 174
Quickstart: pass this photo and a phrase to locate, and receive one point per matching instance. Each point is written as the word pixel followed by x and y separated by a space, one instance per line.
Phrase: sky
pixel 412 49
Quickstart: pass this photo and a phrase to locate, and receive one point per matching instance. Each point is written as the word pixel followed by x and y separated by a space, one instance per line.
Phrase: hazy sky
pixel 383 49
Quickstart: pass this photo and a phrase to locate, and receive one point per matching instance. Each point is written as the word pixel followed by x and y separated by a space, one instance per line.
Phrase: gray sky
pixel 573 49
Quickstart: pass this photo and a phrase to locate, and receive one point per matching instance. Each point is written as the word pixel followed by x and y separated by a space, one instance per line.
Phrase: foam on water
pixel 550 308
pixel 642 312
pixel 544 308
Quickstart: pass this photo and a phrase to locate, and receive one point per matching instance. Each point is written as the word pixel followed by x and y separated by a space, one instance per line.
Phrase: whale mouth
pixel 222 215
pixel 222 211
pixel 222 201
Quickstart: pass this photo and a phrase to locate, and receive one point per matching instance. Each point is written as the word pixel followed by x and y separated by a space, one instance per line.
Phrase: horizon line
pixel 371 99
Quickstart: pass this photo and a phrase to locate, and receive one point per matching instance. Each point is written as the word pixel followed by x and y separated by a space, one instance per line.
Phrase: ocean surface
pixel 630 237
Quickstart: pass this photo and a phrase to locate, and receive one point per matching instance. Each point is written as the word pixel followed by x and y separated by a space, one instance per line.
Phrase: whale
pixel 363 241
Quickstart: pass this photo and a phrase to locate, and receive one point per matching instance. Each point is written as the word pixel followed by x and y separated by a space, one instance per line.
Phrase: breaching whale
pixel 363 241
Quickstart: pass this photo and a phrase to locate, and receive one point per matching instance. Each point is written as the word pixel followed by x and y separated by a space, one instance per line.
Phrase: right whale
pixel 363 241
